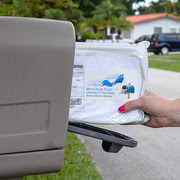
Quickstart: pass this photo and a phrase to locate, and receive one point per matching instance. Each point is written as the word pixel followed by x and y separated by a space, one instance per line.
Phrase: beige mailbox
pixel 36 62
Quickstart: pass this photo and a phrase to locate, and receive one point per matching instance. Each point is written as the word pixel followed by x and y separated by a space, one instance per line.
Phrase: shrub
pixel 87 35
pixel 100 35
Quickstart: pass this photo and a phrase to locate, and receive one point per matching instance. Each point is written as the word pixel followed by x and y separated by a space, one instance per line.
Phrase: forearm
pixel 173 116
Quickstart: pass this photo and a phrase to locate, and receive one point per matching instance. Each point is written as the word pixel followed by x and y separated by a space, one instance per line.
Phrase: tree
pixel 128 4
pixel 177 7
pixel 23 8
pixel 121 24
pixel 34 8
pixel 87 6
pixel 28 8
pixel 75 16
pixel 109 14
pixel 62 4
pixel 51 9
pixel 161 6
pixel 103 14
pixel 94 23
pixel 57 14
pixel 6 10
pixel 143 10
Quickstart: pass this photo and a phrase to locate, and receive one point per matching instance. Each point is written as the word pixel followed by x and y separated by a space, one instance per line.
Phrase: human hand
pixel 162 112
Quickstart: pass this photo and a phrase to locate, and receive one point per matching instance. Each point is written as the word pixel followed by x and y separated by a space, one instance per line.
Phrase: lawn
pixel 77 165
pixel 171 66
pixel 160 62
pixel 169 56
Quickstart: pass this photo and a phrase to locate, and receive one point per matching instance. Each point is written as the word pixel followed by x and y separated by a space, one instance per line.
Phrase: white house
pixel 152 23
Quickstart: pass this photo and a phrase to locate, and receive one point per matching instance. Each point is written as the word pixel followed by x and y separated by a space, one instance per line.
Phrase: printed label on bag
pixel 110 84
pixel 77 90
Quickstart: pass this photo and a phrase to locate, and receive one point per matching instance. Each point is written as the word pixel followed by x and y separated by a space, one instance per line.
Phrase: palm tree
pixel 95 23
pixel 75 16
pixel 121 24
pixel 103 14
pixel 109 14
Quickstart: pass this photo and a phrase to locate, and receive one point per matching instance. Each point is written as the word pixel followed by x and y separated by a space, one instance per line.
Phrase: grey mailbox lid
pixel 36 62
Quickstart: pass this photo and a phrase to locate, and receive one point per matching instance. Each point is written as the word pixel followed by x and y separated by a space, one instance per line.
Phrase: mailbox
pixel 36 63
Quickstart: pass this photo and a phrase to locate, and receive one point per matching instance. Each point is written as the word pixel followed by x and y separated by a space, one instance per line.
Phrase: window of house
pixel 173 30
pixel 157 29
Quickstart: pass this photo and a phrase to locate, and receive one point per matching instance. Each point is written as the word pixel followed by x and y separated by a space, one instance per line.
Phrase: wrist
pixel 173 116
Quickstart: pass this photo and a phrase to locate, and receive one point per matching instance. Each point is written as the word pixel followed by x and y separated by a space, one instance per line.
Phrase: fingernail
pixel 122 108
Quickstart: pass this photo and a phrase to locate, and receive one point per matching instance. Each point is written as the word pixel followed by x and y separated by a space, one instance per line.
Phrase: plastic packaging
pixel 105 77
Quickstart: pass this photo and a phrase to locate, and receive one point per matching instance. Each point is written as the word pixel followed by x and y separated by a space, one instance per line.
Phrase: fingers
pixel 136 104
pixel 131 105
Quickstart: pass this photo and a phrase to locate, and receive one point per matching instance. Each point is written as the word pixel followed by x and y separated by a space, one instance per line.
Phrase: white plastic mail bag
pixel 105 77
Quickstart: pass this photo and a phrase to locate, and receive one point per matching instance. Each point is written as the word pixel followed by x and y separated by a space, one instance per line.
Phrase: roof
pixel 147 17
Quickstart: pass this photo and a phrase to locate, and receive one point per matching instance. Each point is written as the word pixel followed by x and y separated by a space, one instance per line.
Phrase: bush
pixel 100 35
pixel 87 35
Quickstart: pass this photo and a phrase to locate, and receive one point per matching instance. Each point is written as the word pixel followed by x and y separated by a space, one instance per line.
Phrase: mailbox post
pixel 36 63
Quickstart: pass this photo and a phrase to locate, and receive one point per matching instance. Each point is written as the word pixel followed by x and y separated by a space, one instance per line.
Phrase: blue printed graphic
pixel 127 89
pixel 119 79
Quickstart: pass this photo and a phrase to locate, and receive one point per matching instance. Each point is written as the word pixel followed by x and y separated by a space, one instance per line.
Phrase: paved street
pixel 157 156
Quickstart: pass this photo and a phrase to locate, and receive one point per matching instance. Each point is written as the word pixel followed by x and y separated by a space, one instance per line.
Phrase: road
pixel 157 156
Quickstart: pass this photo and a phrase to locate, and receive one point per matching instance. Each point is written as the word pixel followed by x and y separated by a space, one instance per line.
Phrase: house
pixel 148 24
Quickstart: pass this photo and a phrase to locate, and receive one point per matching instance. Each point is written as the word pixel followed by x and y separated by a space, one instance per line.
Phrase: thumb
pixel 131 105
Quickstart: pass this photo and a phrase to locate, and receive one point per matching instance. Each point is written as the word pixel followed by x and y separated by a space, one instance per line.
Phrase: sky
pixel 146 3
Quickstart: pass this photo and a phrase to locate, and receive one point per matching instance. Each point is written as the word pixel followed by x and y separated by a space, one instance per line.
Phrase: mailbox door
pixel 36 62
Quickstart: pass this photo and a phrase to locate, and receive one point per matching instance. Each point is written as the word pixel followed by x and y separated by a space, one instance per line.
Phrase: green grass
pixel 77 165
pixel 169 56
pixel 171 66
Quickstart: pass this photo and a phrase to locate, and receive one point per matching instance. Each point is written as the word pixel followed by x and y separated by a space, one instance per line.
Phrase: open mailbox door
pixel 36 63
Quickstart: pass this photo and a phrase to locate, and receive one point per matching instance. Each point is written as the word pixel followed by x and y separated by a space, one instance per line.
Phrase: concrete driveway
pixel 157 156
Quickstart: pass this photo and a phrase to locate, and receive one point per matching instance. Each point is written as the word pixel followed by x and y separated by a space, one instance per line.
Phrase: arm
pixel 162 112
